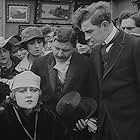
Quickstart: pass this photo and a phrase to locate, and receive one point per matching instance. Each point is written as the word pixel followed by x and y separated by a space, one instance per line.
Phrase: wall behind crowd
pixel 9 28
pixel 13 28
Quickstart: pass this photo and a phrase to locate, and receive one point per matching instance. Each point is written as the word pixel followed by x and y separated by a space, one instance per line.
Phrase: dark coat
pixel 119 109
pixel 10 127
pixel 79 77
pixel 7 74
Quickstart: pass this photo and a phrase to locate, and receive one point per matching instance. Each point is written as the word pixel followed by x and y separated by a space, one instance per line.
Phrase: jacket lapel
pixel 96 59
pixel 52 72
pixel 114 53
pixel 70 73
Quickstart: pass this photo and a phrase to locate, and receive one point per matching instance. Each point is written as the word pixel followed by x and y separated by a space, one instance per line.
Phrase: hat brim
pixel 28 39
pixel 68 103
pixel 88 106
pixel 12 40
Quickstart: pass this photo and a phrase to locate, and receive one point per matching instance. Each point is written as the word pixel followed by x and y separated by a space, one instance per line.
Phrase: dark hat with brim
pixel 30 33
pixel 73 105
pixel 11 40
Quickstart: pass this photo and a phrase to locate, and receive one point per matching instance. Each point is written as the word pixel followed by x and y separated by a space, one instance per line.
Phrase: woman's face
pixel 21 53
pixel 35 46
pixel 27 97
pixel 4 56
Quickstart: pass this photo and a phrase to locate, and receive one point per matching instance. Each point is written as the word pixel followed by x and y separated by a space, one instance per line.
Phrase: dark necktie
pixel 104 52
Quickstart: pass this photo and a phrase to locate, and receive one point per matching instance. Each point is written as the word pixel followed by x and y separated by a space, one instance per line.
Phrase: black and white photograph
pixel 69 69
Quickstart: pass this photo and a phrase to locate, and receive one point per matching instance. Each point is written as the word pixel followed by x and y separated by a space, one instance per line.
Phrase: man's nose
pixel 60 53
pixel 2 53
pixel 18 52
pixel 87 37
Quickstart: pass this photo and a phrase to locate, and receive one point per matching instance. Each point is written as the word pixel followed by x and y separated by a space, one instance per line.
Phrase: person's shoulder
pixel 44 58
pixel 80 57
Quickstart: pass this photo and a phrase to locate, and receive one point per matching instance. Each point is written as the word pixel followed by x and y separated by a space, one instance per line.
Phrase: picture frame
pixel 18 12
pixel 23 26
pixel 54 11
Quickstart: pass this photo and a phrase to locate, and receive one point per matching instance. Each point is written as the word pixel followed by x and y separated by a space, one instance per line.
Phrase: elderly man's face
pixel 93 33
pixel 4 56
pixel 27 97
pixel 62 51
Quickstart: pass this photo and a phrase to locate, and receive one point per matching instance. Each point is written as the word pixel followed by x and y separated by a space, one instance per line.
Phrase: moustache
pixel 61 58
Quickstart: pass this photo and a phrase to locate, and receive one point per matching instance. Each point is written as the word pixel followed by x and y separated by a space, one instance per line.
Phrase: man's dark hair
pixel 66 34
pixel 96 12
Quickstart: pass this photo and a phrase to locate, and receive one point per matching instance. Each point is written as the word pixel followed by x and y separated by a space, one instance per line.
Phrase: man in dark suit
pixel 118 71
pixel 64 70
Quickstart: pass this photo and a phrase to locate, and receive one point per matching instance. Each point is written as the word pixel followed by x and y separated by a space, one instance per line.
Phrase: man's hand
pixel 81 124
pixel 90 123
pixel 78 15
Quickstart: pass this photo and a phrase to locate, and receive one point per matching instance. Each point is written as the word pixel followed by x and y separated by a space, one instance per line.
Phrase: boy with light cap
pixel 25 117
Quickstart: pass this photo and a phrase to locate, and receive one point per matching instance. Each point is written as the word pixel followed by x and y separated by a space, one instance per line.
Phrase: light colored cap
pixel 26 79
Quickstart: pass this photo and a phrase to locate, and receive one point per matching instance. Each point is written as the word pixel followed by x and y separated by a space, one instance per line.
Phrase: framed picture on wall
pixel 18 13
pixel 54 10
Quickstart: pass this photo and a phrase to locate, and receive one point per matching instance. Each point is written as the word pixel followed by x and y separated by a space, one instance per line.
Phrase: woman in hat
pixel 32 40
pixel 7 63
pixel 25 117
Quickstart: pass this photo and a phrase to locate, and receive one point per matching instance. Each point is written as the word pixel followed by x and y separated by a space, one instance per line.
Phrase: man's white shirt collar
pixel 112 34
pixel 62 69
pixel 110 37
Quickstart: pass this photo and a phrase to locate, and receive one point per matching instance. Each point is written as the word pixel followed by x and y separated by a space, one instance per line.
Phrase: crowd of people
pixel 79 82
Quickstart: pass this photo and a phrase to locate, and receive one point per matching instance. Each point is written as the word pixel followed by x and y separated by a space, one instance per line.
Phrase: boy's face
pixel 4 56
pixel 27 97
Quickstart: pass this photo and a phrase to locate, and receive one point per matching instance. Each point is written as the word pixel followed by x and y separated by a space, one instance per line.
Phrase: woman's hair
pixel 24 44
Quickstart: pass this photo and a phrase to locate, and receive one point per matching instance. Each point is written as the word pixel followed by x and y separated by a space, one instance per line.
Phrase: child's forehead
pixel 27 87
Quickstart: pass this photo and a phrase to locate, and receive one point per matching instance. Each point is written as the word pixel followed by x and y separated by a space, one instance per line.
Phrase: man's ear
pixel 105 25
